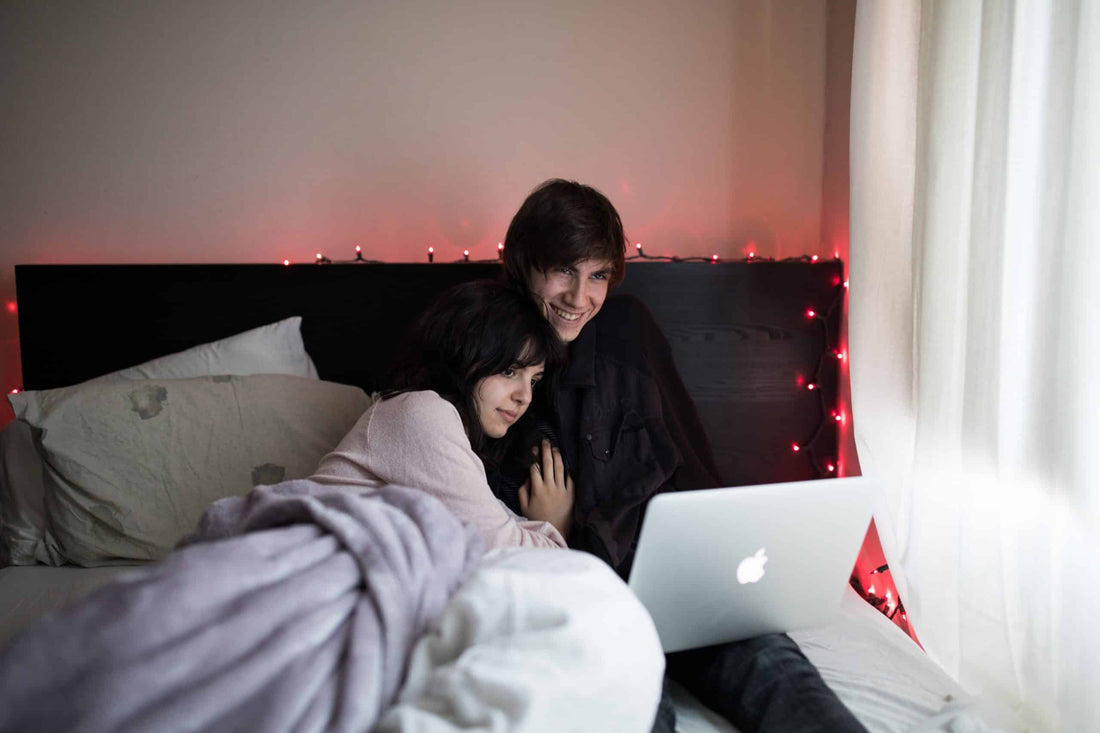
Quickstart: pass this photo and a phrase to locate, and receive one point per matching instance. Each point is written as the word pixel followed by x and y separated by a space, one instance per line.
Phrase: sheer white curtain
pixel 975 335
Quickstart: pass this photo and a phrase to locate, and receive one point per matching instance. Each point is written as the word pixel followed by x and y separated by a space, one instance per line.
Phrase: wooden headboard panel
pixel 739 333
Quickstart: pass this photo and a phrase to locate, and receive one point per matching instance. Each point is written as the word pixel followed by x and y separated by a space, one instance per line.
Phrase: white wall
pixel 251 131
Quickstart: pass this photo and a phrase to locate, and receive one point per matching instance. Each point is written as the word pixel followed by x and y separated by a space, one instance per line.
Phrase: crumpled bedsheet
pixel 536 640
pixel 294 607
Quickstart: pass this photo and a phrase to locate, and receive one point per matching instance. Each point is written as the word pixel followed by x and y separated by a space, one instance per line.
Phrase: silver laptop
pixel 727 564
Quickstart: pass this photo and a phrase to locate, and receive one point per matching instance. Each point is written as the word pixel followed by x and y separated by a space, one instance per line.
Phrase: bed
pixel 750 340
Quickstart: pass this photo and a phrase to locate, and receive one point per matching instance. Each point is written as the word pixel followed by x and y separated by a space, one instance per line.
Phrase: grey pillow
pixel 131 465
pixel 275 348
pixel 22 496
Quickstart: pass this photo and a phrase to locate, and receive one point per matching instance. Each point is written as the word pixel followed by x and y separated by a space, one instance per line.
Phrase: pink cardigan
pixel 417 440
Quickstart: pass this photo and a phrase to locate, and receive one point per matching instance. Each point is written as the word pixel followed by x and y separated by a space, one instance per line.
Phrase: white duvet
pixel 536 640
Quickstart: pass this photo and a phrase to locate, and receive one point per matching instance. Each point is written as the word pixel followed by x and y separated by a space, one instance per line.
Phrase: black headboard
pixel 740 333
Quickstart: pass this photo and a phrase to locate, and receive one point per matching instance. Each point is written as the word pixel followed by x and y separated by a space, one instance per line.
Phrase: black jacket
pixel 628 429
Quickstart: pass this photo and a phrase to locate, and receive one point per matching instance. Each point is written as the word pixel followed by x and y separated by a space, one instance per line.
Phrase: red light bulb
pixel 813 259
pixel 831 468
pixel 358 249
pixel 286 262
pixel 320 256
pixel 14 391
pixel 811 313
pixel 811 386
pixel 500 246
pixel 714 258
pixel 796 447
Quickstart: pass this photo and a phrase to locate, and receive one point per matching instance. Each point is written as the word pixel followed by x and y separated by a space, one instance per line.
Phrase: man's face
pixel 571 295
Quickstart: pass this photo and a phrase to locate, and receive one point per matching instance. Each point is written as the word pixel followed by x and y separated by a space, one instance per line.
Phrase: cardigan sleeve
pixel 416 439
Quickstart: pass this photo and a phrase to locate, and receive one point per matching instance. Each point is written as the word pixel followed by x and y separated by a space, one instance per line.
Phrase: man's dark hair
pixel 472 331
pixel 559 224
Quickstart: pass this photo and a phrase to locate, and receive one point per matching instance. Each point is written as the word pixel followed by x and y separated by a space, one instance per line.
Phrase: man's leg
pixel 762 684
pixel 666 712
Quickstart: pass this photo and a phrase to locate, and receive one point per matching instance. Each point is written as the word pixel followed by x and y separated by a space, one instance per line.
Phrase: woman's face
pixel 502 399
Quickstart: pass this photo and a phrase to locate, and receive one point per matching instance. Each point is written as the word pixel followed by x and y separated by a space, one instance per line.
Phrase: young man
pixel 628 430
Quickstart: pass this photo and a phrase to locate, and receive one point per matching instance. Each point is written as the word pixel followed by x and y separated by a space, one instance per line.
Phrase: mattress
pixel 886 680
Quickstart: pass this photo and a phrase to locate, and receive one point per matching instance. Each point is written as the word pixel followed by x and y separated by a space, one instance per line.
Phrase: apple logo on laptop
pixel 751 569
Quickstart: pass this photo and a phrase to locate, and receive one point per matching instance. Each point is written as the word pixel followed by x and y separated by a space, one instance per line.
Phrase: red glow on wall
pixel 871 579
pixel 11 306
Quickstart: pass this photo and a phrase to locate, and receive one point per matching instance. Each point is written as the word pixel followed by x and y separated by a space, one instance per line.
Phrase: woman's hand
pixel 548 495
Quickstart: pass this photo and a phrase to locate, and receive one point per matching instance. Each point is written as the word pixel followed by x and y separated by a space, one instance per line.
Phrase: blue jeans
pixel 760 684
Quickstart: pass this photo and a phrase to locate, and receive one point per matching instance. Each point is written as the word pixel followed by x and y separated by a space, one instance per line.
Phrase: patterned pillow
pixel 275 348
pixel 131 465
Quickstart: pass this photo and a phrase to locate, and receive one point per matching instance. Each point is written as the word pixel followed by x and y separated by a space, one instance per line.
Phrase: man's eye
pixel 599 276
pixel 565 270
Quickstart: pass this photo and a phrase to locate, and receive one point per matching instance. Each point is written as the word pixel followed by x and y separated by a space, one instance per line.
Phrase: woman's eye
pixel 509 372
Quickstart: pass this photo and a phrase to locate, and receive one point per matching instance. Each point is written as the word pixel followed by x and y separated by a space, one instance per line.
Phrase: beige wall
pixel 251 131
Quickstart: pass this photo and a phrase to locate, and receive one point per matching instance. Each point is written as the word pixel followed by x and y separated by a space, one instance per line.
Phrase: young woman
pixel 458 400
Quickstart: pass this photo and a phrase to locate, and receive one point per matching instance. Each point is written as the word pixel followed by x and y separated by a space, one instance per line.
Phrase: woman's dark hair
pixel 472 331
pixel 559 224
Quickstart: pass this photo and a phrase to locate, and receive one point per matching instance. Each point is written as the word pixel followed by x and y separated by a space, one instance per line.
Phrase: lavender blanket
pixel 292 608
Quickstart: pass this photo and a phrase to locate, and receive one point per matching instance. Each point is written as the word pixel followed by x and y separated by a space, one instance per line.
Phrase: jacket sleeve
pixel 417 440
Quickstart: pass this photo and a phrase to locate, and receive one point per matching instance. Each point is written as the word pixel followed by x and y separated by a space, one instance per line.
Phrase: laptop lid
pixel 726 564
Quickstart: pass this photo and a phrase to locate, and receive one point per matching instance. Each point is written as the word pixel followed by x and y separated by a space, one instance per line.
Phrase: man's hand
pixel 548 495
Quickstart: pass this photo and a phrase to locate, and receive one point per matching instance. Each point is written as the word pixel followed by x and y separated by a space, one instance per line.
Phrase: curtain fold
pixel 975 331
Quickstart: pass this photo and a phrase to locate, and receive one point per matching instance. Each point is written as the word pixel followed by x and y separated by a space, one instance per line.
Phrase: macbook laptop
pixel 726 564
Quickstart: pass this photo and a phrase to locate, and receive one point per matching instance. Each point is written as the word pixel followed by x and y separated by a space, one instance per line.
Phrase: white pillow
pixel 535 640
pixel 132 464
pixel 276 348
